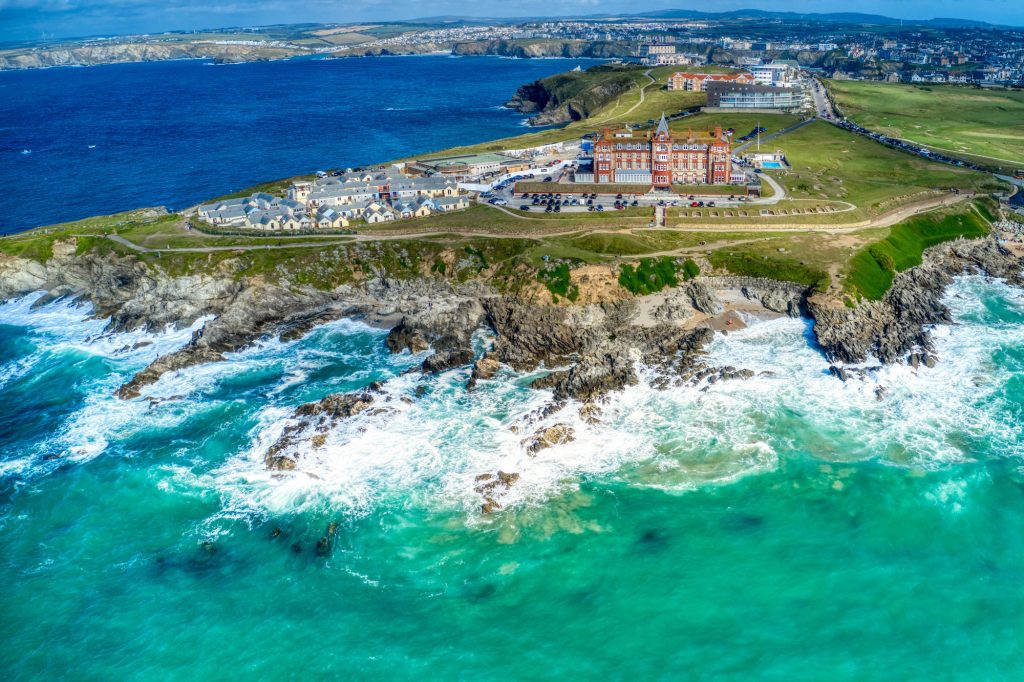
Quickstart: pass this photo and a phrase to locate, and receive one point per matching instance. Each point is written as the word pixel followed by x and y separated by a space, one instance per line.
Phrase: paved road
pixel 822 105
pixel 771 136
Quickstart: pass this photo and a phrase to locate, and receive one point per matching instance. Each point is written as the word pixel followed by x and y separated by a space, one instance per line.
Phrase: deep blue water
pixel 176 133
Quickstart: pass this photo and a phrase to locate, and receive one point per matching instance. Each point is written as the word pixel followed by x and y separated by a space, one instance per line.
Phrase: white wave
pixel 430 450
pixel 64 327
pixel 65 324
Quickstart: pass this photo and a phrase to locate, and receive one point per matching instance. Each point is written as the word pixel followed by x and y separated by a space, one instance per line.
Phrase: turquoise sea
pixel 786 527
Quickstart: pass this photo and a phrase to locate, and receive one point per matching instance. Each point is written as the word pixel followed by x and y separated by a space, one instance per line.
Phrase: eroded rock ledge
pixel 894 329
pixel 581 352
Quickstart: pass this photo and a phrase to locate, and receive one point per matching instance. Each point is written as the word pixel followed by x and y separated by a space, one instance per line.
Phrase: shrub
pixel 558 280
pixel 650 276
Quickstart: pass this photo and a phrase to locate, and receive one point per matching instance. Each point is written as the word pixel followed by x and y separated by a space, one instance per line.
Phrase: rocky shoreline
pixel 579 353
pixel 594 347
pixel 895 328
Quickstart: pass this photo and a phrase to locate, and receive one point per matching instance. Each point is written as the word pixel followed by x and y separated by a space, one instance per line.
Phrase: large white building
pixel 779 73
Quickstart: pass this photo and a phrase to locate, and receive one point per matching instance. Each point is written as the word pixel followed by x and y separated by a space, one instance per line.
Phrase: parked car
pixel 524 207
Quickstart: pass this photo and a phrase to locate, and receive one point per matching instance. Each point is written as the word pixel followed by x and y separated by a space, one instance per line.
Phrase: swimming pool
pixel 771 164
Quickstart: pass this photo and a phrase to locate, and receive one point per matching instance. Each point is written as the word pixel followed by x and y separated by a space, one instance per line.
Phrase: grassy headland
pixel 870 232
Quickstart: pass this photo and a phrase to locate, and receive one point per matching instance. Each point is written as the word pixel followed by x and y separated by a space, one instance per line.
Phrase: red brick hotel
pixel 662 158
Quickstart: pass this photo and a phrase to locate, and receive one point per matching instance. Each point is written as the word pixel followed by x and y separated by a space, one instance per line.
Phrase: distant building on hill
pixel 697 82
pixel 662 158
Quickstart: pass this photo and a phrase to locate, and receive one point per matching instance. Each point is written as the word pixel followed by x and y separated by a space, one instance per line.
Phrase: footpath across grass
pixel 873 268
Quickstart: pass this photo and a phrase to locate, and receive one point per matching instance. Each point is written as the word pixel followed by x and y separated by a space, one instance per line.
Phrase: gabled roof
pixel 662 126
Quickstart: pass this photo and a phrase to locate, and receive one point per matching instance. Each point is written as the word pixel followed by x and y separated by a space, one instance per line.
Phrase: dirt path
pixel 884 220
pixel 643 94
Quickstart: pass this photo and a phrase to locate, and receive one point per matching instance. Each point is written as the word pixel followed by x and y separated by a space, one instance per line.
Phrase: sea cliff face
pixel 572 96
pixel 895 328
pixel 118 53
pixel 547 48
pixel 582 352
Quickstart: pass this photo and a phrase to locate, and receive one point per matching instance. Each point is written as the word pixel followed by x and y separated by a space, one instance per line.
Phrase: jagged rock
pixel 889 328
pixel 402 337
pixel 591 413
pixel 838 372
pixel 447 359
pixel 445 326
pixel 279 463
pixel 491 486
pixel 593 376
pixel 676 307
pixel 484 368
pixel 779 298
pixel 559 434
pixel 702 298
pixel 337 406
pixel 317 417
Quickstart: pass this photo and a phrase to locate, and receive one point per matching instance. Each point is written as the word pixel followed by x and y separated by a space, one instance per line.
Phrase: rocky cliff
pixel 597 49
pixel 116 53
pixel 582 352
pixel 896 326
pixel 573 96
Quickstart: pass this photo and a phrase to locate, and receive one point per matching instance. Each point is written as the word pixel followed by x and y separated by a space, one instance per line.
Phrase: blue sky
pixel 30 19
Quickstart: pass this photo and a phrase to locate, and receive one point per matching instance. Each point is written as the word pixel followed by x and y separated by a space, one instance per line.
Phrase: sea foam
pixel 434 438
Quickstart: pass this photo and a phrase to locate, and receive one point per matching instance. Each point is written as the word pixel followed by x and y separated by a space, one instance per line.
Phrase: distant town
pixel 935 51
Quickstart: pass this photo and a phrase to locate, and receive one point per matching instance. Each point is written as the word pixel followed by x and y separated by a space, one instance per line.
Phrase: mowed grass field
pixel 960 119
pixel 828 163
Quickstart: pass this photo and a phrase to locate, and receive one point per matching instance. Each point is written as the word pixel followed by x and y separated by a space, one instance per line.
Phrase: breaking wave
pixel 434 438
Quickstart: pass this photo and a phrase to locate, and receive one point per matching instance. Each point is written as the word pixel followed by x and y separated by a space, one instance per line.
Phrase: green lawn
pixel 871 271
pixel 828 163
pixel 960 119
